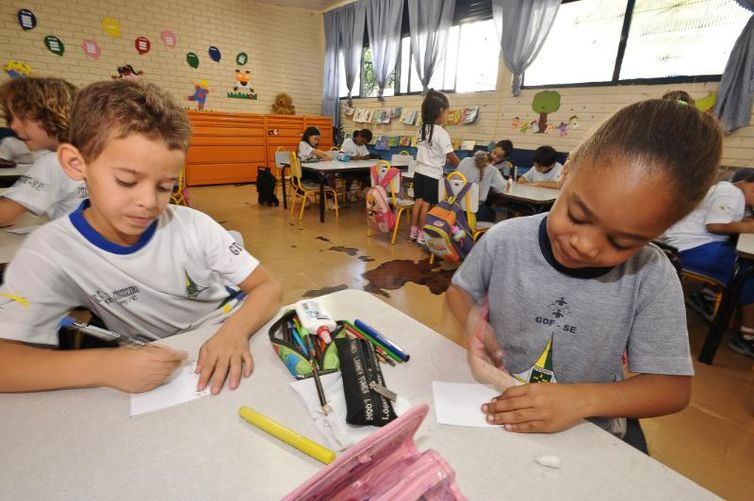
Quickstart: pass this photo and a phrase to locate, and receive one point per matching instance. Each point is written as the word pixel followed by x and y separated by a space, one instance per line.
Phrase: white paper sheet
pixel 460 404
pixel 182 388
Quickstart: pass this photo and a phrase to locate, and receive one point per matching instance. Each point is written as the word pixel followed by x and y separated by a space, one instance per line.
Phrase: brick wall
pixel 592 105
pixel 285 46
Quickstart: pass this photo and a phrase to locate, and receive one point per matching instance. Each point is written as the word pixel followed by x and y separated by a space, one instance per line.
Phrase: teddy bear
pixel 283 105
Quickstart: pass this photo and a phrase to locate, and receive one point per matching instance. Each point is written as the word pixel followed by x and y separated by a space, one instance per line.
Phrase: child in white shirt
pixel 307 147
pixel 477 169
pixel 356 147
pixel 545 171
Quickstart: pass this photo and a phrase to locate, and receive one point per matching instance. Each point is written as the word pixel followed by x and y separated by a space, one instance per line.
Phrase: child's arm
pixel 228 350
pixel 135 370
pixel 452 159
pixel 324 155
pixel 10 210
pixel 542 407
pixel 548 184
pixel 734 228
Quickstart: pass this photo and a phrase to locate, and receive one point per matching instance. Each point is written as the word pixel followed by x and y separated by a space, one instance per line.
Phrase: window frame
pixel 616 81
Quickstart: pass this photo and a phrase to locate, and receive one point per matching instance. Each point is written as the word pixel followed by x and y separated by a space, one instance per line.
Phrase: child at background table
pixel 545 171
pixel 144 267
pixel 499 157
pixel 703 241
pixel 307 147
pixel 434 149
pixel 592 286
pixel 356 147
pixel 38 109
pixel 477 169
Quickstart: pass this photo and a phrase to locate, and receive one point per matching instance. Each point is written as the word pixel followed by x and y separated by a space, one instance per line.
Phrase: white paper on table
pixel 460 404
pixel 180 389
pixel 23 230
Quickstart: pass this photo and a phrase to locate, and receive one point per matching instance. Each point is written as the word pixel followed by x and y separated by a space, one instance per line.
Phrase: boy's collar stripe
pixel 95 238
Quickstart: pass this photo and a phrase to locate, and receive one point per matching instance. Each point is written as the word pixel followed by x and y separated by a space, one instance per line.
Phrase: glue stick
pixel 315 319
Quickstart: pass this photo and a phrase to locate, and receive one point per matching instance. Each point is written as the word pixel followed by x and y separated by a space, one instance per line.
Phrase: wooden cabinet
pixel 228 147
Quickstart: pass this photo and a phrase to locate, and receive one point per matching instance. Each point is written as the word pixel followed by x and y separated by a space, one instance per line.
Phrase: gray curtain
pixel 384 27
pixel 331 77
pixel 522 26
pixel 429 21
pixel 352 41
pixel 736 93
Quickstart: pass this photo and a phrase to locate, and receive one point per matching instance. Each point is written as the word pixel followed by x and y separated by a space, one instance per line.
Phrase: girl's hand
pixel 485 355
pixel 224 352
pixel 136 370
pixel 537 407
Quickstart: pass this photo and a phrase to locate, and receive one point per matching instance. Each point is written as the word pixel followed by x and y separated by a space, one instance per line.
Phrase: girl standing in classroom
pixel 434 149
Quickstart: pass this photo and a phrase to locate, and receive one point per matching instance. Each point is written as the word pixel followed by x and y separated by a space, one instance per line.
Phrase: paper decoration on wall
pixel 27 19
pixel 54 45
pixel 16 69
pixel 242 88
pixel 414 141
pixel 707 103
pixel 396 112
pixel 201 90
pixel 111 26
pixel 382 117
pixel 169 38
pixel 456 143
pixel 142 45
pixel 393 141
pixel 242 58
pixel 348 111
pixel 469 115
pixel 192 59
pixel 410 118
pixel 368 116
pixel 382 143
pixel 91 48
pixel 404 141
pixel 545 102
pixel 127 72
pixel 454 117
pixel 468 145
pixel 214 53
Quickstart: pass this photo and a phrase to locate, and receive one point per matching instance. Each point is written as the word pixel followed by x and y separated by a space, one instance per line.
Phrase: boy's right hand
pixel 136 370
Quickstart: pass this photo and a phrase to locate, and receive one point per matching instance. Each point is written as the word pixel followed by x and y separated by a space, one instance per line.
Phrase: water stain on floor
pixel 393 275
pixel 324 239
pixel 351 251
pixel 366 259
pixel 325 290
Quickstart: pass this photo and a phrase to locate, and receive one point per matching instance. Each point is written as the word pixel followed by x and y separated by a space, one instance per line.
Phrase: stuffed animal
pixel 283 105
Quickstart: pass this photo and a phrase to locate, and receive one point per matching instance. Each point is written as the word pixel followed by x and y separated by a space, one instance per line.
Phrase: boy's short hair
pixel 545 156
pixel 115 109
pixel 506 145
pixel 365 133
pixel 44 100
pixel 745 174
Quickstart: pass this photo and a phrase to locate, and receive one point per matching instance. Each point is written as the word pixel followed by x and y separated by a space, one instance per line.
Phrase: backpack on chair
pixel 380 216
pixel 266 187
pixel 446 229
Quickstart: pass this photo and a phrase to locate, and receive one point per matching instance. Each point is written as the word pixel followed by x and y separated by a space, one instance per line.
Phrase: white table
pixel 329 166
pixel 534 198
pixel 10 242
pixel 81 444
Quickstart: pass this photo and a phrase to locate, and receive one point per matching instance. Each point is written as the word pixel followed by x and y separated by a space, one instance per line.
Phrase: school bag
pixel 380 216
pixel 446 229
pixel 266 187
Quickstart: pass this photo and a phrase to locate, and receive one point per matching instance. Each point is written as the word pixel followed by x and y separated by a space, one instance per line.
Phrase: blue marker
pixel 298 339
pixel 394 348
pixel 105 334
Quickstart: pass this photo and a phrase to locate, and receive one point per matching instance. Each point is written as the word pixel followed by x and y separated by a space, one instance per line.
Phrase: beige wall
pixel 285 46
pixel 592 105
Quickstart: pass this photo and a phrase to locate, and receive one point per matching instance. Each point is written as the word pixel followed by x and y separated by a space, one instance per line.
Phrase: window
pixel 343 92
pixel 665 39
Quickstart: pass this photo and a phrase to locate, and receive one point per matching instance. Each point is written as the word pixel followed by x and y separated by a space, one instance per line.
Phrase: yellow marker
pixel 290 437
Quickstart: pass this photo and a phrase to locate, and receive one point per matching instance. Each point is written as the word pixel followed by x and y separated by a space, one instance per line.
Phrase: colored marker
pixel 299 341
pixel 98 332
pixel 290 437
pixel 383 340
pixel 377 346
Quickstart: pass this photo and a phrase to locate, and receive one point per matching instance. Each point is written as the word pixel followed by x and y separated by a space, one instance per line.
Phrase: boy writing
pixel 144 267
pixel 38 109
pixel 546 170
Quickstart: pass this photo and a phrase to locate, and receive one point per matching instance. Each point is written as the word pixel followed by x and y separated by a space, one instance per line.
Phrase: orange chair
pixel 302 190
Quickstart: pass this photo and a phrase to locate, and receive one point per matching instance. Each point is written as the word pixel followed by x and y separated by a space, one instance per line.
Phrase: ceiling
pixel 303 4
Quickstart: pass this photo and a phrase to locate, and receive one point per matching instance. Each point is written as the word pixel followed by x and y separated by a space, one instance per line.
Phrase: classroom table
pixel 331 166
pixel 81 444
pixel 534 199
pixel 742 268
pixel 8 176
pixel 11 242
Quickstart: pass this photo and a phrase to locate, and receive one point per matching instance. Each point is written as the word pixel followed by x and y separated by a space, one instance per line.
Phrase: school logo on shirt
pixel 542 370
pixel 121 296
pixel 82 193
pixel 192 288
pixel 33 183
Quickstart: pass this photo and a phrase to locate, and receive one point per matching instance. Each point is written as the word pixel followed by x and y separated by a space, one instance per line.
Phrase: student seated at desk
pixel 477 169
pixel 703 239
pixel 307 147
pixel 500 154
pixel 592 287
pixel 545 171
pixel 356 147
pixel 37 110
pixel 144 267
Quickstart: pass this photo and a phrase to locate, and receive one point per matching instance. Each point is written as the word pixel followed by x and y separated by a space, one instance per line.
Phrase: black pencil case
pixel 361 372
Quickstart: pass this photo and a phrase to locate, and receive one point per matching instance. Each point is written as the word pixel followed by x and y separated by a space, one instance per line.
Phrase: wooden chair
pixel 302 190
pixel 400 205
pixel 180 194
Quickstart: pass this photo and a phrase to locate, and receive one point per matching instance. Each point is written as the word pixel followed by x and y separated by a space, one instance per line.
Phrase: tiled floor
pixel 712 441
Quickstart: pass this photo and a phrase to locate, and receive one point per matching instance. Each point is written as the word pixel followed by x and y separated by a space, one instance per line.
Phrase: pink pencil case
pixel 385 466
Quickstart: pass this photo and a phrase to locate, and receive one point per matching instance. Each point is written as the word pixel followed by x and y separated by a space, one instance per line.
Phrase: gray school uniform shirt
pixel 572 326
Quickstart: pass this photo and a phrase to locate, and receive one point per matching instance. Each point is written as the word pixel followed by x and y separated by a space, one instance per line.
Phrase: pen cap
pixel 324 334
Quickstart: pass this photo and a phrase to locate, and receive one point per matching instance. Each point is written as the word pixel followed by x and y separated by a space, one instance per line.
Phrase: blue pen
pixel 394 348
pixel 105 334
pixel 298 339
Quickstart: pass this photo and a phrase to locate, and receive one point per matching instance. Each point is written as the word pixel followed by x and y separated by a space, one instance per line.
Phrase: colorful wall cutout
pixel 26 19
pixel 111 26
pixel 54 45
